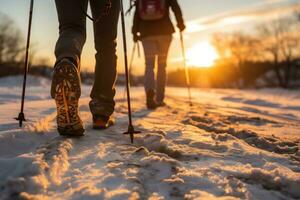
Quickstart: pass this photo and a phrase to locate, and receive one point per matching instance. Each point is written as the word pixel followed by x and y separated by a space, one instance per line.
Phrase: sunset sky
pixel 203 17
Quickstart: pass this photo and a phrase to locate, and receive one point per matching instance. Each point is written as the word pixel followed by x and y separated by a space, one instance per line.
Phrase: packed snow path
pixel 229 145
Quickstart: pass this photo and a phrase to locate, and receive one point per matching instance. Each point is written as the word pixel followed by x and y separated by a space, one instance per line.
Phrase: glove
pixel 136 37
pixel 181 27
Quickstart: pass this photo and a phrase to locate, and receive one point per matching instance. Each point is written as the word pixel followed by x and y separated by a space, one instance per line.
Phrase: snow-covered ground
pixel 231 144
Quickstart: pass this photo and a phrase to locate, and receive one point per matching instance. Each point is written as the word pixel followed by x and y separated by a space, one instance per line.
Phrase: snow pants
pixel 72 37
pixel 156 46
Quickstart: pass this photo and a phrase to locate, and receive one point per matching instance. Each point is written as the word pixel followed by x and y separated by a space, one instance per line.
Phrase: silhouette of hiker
pixel 66 86
pixel 152 25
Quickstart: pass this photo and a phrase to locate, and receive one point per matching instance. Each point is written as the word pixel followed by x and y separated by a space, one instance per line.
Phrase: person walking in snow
pixel 152 25
pixel 66 86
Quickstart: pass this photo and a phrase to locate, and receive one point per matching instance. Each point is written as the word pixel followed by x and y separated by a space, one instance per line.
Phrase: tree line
pixel 273 46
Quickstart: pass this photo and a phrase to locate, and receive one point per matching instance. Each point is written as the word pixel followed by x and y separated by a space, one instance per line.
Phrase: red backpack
pixel 152 9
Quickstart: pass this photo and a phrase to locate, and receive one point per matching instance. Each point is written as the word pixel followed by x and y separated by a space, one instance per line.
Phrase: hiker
pixel 152 25
pixel 66 86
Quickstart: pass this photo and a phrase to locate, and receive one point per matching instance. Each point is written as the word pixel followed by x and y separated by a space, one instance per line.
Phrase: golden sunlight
pixel 202 54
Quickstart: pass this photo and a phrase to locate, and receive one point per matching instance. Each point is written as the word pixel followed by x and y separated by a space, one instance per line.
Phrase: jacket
pixel 162 26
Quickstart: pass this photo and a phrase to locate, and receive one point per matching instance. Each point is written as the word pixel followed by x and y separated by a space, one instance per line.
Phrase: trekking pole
pixel 187 75
pixel 130 130
pixel 138 49
pixel 130 65
pixel 21 116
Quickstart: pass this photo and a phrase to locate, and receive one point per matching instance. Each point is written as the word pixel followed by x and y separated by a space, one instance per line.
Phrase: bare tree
pixel 280 43
pixel 220 42
pixel 10 41
pixel 238 48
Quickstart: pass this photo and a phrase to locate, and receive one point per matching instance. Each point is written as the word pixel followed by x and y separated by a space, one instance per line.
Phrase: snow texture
pixel 231 144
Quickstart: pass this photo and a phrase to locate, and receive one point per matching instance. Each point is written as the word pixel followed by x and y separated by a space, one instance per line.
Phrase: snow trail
pixel 214 150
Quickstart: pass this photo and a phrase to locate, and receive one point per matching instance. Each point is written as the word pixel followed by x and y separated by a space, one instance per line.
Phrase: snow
pixel 232 144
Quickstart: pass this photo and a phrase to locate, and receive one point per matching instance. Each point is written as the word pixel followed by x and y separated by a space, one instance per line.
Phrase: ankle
pixel 150 94
pixel 69 59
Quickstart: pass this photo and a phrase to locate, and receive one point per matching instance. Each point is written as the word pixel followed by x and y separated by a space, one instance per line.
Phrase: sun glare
pixel 202 54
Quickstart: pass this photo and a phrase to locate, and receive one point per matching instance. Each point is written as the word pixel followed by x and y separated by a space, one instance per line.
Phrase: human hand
pixel 136 38
pixel 181 27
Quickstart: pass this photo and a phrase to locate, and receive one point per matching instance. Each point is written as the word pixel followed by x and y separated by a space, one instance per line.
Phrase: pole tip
pixel 20 118
pixel 131 138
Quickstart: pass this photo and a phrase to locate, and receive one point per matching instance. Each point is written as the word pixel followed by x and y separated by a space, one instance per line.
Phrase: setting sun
pixel 202 54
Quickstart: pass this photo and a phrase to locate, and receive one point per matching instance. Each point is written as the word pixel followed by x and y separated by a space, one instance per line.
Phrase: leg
pixel 105 31
pixel 65 87
pixel 150 50
pixel 150 54
pixel 72 29
pixel 164 44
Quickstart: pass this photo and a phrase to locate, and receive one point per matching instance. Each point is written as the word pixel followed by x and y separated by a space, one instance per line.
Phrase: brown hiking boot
pixel 65 89
pixel 102 122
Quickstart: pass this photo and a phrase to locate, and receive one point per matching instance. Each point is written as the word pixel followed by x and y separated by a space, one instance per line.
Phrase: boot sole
pixel 104 126
pixel 67 72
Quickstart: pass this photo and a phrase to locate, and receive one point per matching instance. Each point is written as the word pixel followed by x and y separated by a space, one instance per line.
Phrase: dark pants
pixel 156 46
pixel 72 36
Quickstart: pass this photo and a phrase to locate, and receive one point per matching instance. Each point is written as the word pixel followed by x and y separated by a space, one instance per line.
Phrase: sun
pixel 202 54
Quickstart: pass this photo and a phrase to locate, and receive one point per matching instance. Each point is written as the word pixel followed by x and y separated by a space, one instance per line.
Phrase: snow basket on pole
pixel 21 116
pixel 130 130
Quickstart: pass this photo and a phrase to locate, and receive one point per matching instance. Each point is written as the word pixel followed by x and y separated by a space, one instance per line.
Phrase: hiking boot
pixel 161 104
pixel 65 89
pixel 102 122
pixel 151 103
